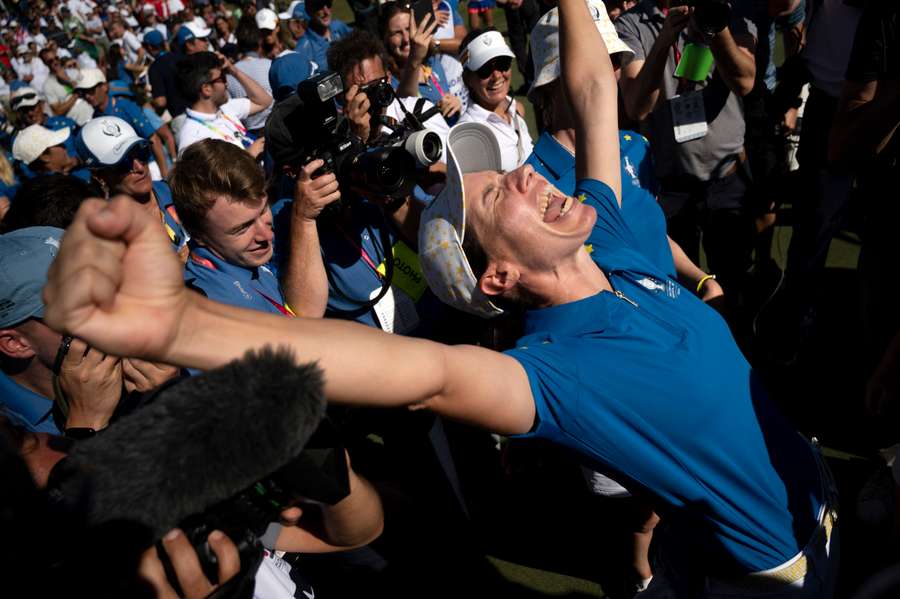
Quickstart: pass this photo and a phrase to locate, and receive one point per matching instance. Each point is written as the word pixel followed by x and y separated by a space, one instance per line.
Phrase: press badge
pixel 395 312
pixel 688 116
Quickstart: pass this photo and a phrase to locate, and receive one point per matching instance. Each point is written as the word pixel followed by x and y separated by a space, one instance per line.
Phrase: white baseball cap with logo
pixel 105 141
pixel 90 78
pixel 471 147
pixel 24 97
pixel 483 48
pixel 266 19
pixel 545 42
pixel 32 141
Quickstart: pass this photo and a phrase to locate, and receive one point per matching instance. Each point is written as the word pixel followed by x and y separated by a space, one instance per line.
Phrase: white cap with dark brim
pixel 483 48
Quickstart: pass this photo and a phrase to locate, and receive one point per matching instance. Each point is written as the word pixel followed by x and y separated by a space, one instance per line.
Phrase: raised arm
pixel 117 284
pixel 590 85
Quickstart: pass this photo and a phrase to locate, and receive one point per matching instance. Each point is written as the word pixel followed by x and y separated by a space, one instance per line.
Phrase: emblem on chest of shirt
pixel 668 287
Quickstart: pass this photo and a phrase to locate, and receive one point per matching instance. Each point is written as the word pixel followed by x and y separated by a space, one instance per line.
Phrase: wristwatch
pixel 437 45
pixel 79 433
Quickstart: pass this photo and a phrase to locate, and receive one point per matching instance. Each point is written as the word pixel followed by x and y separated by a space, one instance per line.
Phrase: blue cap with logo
pixel 190 31
pixel 25 257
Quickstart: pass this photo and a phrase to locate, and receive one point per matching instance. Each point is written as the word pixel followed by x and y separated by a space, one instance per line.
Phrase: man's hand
pixel 312 195
pixel 92 382
pixel 227 66
pixel 449 105
pixel 420 38
pixel 116 283
pixel 257 147
pixel 356 107
pixel 677 19
pixel 142 376
pixel 442 16
pixel 187 568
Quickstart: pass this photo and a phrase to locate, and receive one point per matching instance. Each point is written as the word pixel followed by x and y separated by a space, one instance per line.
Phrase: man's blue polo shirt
pixel 131 113
pixel 25 408
pixel 351 278
pixel 651 387
pixel 252 288
pixel 639 207
pixel 55 123
pixel 319 44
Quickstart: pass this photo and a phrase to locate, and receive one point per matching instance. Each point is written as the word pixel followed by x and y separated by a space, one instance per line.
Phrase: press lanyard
pixel 362 251
pixel 240 133
pixel 430 79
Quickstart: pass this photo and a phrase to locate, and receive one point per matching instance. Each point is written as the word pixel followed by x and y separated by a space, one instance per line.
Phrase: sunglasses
pixel 220 79
pixel 140 152
pixel 501 63
pixel 24 98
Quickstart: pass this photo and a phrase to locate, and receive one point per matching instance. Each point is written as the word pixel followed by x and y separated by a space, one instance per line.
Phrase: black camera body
pixel 384 168
pixel 710 16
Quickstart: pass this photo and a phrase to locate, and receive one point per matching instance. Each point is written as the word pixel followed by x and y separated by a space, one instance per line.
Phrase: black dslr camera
pixel 387 167
pixel 710 16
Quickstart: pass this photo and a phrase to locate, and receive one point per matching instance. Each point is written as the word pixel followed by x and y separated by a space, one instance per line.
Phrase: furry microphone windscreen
pixel 202 441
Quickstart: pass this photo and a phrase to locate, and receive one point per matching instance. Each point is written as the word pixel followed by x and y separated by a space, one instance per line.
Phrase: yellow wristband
pixel 703 282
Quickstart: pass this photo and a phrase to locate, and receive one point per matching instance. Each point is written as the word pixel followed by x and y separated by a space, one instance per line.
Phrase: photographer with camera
pixel 692 62
pixel 212 115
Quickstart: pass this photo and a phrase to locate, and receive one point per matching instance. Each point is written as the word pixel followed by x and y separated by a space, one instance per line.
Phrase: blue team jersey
pixel 26 408
pixel 639 186
pixel 319 44
pixel 648 383
pixel 131 113
pixel 251 288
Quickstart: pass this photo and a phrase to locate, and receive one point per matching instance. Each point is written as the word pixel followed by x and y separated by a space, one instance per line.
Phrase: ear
pixel 499 278
pixel 15 345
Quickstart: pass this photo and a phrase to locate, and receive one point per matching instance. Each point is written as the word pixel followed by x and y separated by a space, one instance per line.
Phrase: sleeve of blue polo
pixel 554 381
pixel 610 230
pixel 132 113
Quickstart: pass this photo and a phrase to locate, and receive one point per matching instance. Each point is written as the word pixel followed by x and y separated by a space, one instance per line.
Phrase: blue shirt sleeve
pixel 610 228
pixel 130 111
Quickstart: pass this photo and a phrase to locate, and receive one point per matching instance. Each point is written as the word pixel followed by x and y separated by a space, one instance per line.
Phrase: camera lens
pixel 425 147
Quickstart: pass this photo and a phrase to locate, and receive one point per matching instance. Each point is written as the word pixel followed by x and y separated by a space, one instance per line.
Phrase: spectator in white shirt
pixel 487 75
pixel 249 41
pixel 134 51
pixel 151 21
pixel 212 115
pixel 59 85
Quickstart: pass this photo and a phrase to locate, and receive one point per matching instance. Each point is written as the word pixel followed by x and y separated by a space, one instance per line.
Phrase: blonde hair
pixel 6 170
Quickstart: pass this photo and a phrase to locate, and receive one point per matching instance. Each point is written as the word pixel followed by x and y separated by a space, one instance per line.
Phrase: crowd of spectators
pixel 668 127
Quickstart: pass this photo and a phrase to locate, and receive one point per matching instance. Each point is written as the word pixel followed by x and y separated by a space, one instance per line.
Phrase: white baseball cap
pixel 148 8
pixel 483 48
pixel 266 19
pixel 23 98
pixel 22 49
pixel 33 140
pixel 90 78
pixel 105 141
pixel 289 13
pixel 545 42
pixel 471 147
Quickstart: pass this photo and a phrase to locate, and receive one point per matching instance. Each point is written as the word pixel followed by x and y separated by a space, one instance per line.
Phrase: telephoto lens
pixel 425 146
pixel 711 16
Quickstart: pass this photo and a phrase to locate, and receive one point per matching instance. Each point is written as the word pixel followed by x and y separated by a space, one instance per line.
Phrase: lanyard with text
pixel 407 274
pixel 239 134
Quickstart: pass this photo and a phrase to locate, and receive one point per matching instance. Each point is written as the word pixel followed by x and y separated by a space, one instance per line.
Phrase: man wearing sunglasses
pixel 487 75
pixel 42 151
pixel 213 115
pixel 323 29
pixel 118 159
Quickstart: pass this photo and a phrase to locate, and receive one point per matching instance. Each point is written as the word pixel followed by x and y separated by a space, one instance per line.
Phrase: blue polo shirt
pixel 319 44
pixel 26 408
pixel 352 279
pixel 639 206
pixel 252 288
pixel 131 113
pixel 177 234
pixel 55 123
pixel 652 389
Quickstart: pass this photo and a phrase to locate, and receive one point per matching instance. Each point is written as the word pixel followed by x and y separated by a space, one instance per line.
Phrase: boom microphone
pixel 201 442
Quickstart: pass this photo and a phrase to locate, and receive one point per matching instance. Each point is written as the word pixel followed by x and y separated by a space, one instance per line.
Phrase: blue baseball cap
pixel 25 257
pixel 190 31
pixel 154 37
pixel 286 72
